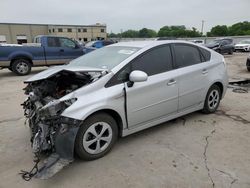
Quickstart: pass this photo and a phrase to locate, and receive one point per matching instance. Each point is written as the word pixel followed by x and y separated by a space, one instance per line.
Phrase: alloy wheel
pixel 97 138
pixel 213 99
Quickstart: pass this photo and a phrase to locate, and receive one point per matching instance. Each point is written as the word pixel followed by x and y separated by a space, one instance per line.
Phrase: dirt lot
pixel 194 151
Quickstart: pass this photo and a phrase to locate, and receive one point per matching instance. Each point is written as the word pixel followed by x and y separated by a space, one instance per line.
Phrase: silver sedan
pixel 116 91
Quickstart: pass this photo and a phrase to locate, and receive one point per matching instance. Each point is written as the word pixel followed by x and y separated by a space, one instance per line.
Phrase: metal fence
pixel 206 40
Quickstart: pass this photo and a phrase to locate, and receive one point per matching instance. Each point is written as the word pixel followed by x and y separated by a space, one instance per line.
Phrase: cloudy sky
pixel 126 14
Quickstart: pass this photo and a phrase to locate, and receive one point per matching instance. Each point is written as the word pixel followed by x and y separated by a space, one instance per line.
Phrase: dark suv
pixel 221 46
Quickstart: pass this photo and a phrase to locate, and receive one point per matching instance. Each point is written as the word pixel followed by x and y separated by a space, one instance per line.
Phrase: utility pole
pixel 202 26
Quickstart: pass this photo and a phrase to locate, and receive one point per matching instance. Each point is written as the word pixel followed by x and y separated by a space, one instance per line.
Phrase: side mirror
pixel 138 76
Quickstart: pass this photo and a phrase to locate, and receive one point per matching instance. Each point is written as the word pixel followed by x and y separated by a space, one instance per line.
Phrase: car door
pixel 69 50
pixel 193 75
pixel 224 46
pixel 158 96
pixel 52 51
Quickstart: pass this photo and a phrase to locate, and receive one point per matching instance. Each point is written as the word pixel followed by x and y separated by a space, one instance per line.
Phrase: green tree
pixel 147 33
pixel 130 34
pixel 178 31
pixel 219 30
pixel 241 28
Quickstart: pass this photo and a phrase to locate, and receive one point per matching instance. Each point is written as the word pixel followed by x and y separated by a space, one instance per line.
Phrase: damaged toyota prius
pixel 83 107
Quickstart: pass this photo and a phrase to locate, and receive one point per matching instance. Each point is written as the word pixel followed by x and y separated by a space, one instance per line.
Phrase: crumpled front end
pixel 52 135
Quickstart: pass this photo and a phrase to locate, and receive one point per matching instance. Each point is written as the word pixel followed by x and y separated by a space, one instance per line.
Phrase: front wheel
pixel 212 100
pixel 21 67
pixel 96 136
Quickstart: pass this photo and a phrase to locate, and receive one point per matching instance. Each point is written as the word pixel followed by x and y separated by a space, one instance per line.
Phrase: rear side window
pixel 186 55
pixel 53 42
pixel 155 61
pixel 205 54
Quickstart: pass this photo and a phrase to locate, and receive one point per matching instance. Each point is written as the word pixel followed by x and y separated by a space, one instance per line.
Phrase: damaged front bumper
pixel 52 135
pixel 63 154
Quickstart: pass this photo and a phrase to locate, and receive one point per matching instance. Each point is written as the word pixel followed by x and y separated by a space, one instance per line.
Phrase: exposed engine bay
pixel 51 134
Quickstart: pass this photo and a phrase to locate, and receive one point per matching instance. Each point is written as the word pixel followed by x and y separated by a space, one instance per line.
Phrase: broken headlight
pixel 55 107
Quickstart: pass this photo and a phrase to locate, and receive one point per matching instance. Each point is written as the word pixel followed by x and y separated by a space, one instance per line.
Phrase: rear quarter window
pixel 205 54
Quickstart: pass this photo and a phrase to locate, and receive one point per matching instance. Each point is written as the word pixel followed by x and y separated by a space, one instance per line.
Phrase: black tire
pixel 21 67
pixel 248 68
pixel 231 52
pixel 84 133
pixel 208 106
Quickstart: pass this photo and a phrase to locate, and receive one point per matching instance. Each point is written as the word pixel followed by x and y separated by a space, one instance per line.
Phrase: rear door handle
pixel 61 50
pixel 204 71
pixel 171 82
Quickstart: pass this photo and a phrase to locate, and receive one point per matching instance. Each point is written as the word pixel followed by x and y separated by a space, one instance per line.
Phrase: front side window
pixel 186 55
pixel 155 61
pixel 67 43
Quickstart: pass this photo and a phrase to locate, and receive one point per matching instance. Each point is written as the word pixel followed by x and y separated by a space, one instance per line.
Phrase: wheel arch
pixel 13 59
pixel 114 114
pixel 220 85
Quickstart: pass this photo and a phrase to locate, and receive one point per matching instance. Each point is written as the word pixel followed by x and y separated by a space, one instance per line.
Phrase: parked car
pixel 198 41
pixel 248 63
pixel 243 45
pixel 50 50
pixel 118 90
pixel 222 46
pixel 93 45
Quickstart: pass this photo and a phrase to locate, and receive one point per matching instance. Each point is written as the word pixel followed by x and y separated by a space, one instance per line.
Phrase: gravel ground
pixel 196 150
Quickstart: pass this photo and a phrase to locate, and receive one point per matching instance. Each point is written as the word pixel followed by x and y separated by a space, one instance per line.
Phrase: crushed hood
pixel 54 70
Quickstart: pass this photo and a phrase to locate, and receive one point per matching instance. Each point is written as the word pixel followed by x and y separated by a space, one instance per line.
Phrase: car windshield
pixel 244 42
pixel 105 58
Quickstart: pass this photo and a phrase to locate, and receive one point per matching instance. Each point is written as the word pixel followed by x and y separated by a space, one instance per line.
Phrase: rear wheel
pixel 248 68
pixel 212 99
pixel 96 136
pixel 231 52
pixel 21 67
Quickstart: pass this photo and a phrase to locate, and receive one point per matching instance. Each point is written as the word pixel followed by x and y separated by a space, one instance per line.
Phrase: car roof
pixel 143 44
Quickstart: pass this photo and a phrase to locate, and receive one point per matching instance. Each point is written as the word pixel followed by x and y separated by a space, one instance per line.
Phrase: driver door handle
pixel 204 71
pixel 171 82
